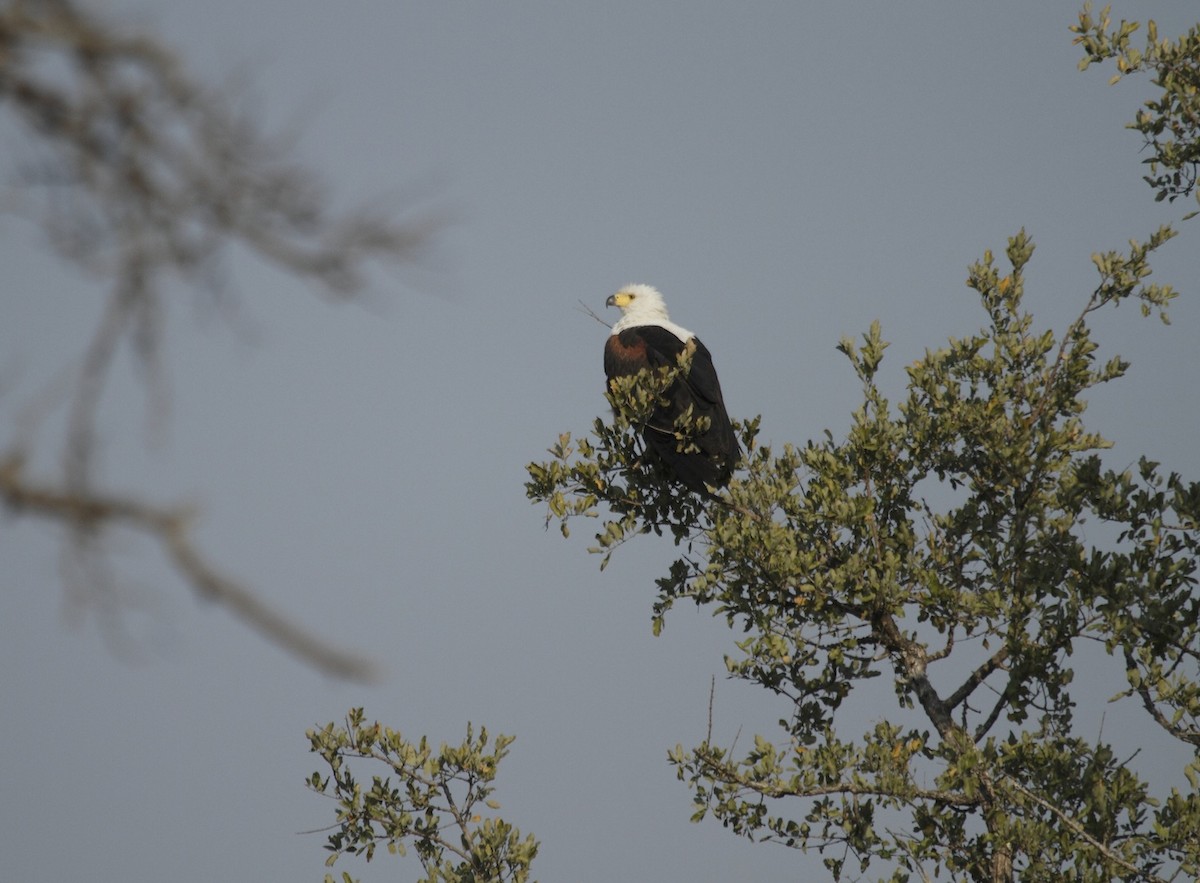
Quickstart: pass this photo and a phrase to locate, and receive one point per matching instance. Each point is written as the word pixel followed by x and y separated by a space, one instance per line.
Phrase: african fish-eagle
pixel 644 337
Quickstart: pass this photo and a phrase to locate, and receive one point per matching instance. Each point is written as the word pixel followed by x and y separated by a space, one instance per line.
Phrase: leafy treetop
pixel 940 544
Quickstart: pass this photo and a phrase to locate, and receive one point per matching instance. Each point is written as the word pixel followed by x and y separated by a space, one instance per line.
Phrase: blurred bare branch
pixel 145 177
pixel 85 513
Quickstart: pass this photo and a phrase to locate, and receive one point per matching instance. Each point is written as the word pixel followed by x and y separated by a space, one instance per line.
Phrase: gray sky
pixel 785 173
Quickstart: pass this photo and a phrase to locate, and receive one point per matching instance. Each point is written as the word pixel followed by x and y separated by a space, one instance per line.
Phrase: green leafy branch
pixel 1170 123
pixel 435 805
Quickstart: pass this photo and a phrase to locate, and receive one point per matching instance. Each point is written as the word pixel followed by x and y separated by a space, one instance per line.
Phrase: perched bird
pixel 644 337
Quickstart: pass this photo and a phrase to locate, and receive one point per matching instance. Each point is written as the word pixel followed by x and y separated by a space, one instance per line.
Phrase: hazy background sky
pixel 784 172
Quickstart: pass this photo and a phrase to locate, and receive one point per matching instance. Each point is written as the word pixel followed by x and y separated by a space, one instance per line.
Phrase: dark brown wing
pixel 650 346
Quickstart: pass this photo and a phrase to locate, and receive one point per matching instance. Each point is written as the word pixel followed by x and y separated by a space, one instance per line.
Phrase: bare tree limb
pixel 91 513
pixel 1001 704
pixel 145 176
pixel 977 677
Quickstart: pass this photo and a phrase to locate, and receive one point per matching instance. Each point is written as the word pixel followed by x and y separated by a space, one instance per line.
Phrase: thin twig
pixel 712 692
pixel 584 308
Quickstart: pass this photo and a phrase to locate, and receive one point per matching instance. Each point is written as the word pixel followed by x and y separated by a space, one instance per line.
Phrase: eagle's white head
pixel 643 305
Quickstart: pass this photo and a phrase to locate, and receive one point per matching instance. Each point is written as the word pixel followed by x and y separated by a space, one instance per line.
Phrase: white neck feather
pixel 648 309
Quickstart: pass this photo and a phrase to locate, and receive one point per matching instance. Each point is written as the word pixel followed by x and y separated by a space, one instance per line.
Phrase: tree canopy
pixel 940 544
pixel 970 545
